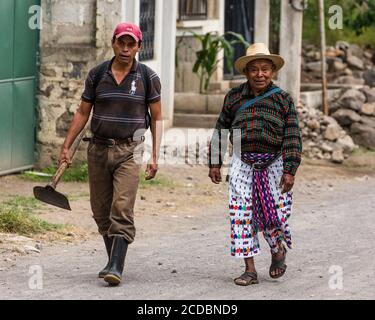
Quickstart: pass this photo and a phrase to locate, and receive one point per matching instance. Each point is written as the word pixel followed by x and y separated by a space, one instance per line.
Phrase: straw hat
pixel 258 51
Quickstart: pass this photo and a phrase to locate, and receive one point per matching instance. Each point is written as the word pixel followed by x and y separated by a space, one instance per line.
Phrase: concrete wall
pixel 290 49
pixel 76 36
pixel 186 80
pixel 67 52
pixel 165 39
pixel 262 21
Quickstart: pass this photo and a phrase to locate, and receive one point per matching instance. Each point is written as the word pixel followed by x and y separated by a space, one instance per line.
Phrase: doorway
pixel 239 18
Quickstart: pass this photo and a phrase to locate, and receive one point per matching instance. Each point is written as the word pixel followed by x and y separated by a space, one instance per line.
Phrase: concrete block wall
pixel 185 79
pixel 75 36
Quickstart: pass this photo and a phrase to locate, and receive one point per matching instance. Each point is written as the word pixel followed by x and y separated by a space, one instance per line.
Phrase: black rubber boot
pixel 108 245
pixel 116 263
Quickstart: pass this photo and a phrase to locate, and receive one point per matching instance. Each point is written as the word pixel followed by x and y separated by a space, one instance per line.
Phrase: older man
pixel 262 171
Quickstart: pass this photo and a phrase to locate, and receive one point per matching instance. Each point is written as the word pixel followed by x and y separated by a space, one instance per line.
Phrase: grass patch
pixel 17 216
pixel 363 151
pixel 311 28
pixel 159 181
pixel 80 174
pixel 77 173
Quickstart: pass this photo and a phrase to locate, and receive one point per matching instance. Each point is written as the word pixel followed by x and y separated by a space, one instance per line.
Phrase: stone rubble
pixel 353 110
pixel 322 136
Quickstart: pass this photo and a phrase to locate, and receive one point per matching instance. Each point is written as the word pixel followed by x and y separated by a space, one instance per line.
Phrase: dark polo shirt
pixel 120 109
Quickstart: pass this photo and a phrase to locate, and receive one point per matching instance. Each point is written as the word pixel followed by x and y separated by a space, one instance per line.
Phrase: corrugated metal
pixel 18 57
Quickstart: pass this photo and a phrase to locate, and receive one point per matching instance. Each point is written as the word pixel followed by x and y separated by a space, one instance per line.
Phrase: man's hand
pixel 215 175
pixel 65 156
pixel 286 182
pixel 151 170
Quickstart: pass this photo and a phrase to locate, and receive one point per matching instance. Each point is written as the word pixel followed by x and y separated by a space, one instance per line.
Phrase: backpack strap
pixel 100 73
pixel 145 79
pixel 147 85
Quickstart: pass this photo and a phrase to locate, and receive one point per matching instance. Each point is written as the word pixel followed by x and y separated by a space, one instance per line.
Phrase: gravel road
pixel 181 249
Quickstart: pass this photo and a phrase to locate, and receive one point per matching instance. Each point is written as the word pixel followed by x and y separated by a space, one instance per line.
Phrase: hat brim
pixel 241 62
pixel 127 33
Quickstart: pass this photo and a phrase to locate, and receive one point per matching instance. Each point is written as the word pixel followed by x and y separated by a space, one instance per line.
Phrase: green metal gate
pixel 18 61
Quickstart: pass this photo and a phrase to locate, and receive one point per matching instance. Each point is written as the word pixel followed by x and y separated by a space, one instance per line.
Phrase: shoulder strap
pixel 256 99
pixel 145 79
pixel 100 73
pixel 147 85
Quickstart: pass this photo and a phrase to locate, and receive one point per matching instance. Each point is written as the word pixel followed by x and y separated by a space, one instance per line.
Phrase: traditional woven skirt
pixel 257 204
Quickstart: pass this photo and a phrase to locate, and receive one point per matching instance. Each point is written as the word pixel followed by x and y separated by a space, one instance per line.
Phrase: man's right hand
pixel 65 156
pixel 215 175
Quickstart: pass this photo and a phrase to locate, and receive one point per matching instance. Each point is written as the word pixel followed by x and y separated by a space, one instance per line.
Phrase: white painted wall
pixel 203 26
pixel 167 57
pixel 290 49
pixel 262 21
pixel 165 40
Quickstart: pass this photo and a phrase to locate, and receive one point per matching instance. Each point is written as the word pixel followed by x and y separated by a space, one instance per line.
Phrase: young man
pixel 262 171
pixel 120 92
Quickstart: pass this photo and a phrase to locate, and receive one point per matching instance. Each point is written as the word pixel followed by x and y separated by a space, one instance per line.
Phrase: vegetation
pixel 274 27
pixel 358 22
pixel 78 173
pixel 207 60
pixel 16 216
pixel 158 181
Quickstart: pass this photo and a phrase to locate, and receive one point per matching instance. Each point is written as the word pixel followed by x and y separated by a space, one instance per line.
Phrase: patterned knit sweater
pixel 270 125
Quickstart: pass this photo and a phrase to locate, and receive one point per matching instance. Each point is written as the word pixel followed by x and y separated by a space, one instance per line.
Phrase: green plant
pixel 207 60
pixel 362 16
pixel 16 216
pixel 77 173
pixel 358 22
pixel 159 181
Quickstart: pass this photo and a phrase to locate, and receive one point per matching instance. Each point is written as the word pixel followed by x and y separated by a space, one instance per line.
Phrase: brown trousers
pixel 113 179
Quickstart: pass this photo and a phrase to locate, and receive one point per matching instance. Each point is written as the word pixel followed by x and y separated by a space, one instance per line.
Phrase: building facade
pixel 74 36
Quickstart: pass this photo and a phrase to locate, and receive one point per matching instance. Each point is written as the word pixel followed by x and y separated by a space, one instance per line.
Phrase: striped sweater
pixel 270 125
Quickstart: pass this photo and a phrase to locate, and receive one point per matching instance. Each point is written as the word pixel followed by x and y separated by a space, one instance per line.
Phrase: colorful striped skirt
pixel 257 204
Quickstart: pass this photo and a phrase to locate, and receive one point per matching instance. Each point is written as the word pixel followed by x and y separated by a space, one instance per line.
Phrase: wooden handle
pixel 76 143
pixel 61 169
pixel 59 172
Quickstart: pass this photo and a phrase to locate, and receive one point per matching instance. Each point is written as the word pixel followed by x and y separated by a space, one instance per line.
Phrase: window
pixel 193 10
pixel 147 25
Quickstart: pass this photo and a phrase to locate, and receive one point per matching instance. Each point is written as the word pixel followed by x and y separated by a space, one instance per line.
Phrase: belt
pixel 261 166
pixel 112 142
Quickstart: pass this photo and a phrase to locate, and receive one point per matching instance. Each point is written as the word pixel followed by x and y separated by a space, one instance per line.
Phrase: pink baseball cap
pixel 130 29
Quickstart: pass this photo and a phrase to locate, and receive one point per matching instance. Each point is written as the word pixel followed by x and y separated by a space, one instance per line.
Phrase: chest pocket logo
pixel 133 88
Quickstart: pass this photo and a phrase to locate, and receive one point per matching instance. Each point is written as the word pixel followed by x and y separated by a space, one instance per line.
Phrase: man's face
pixel 259 73
pixel 125 49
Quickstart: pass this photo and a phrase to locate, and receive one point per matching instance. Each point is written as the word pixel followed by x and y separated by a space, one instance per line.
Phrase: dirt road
pixel 181 249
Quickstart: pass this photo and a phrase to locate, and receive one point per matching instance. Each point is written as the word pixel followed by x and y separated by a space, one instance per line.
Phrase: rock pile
pixel 355 112
pixel 346 64
pixel 322 136
pixel 354 109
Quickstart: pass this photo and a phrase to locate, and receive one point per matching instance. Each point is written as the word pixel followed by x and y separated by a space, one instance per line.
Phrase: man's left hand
pixel 151 170
pixel 286 182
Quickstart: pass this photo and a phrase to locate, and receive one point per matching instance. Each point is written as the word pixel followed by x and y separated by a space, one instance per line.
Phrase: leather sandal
pixel 247 278
pixel 278 264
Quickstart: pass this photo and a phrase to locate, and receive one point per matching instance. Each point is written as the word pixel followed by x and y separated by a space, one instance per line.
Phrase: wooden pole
pixel 323 58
